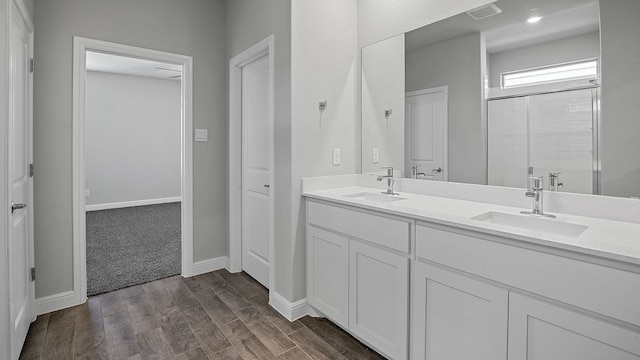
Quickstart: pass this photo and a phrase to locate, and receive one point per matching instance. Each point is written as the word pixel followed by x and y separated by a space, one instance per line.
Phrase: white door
pixel 426 133
pixel 20 185
pixel 256 170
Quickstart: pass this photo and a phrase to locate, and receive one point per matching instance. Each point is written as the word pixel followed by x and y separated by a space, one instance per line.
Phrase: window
pixel 585 69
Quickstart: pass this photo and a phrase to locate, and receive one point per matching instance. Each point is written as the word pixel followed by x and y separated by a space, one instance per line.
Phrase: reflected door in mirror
pixel 426 133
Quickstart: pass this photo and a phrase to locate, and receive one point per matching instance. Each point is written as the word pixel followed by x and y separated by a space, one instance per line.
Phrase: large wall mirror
pixel 495 96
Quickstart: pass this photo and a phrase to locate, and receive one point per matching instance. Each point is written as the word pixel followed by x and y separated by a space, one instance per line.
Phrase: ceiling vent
pixel 484 12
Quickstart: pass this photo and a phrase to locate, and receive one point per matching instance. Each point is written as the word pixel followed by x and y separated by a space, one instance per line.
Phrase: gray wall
pixel 193 27
pixel 580 47
pixel 133 137
pixel 323 64
pixel 458 64
pixel 620 28
pixel 247 23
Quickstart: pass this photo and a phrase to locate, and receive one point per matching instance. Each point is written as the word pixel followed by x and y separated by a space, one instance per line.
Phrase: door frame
pixel 445 144
pixel 255 52
pixel 80 46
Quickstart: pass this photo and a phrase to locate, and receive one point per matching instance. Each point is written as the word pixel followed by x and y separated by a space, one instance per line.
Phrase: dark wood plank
pixel 34 343
pixel 182 295
pixel 153 345
pixel 143 317
pixel 233 299
pixel 212 340
pixel 346 344
pixel 314 346
pixel 88 319
pixel 112 303
pixel 245 342
pixel 217 309
pixel 194 354
pixel 245 287
pixel 60 334
pixel 229 353
pixel 294 354
pixel 197 318
pixel 159 296
pixel 177 332
pixel 132 291
pixel 121 340
pixel 261 302
pixel 93 347
pixel 274 339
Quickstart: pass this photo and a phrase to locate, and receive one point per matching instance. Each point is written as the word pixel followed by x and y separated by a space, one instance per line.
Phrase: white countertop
pixel 609 239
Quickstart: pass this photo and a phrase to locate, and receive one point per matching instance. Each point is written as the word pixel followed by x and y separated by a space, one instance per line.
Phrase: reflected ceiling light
pixel 534 19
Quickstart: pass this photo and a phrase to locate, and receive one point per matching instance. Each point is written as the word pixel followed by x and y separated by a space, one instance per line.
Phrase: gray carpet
pixel 130 246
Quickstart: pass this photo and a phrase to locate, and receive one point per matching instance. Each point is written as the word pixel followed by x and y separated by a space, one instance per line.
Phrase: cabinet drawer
pixel 611 292
pixel 388 232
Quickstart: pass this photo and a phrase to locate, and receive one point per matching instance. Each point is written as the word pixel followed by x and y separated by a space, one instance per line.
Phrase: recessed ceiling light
pixel 534 19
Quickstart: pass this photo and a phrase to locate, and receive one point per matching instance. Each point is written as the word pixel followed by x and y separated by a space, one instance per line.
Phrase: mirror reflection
pixel 508 91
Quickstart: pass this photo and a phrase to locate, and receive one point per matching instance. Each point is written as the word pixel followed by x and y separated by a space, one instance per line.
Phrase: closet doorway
pixel 132 178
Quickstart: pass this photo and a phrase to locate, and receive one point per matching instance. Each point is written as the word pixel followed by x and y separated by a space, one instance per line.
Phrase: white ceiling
pixel 117 64
pixel 509 29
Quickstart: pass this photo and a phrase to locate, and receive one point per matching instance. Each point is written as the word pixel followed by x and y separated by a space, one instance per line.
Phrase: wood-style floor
pixel 218 315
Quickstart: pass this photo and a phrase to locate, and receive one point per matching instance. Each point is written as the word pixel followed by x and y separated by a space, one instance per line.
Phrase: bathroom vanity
pixel 428 277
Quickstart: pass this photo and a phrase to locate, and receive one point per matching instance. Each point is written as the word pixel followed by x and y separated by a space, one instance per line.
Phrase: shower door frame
pixel 596 129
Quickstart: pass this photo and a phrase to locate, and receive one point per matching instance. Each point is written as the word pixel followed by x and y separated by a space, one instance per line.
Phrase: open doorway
pixel 132 156
pixel 132 165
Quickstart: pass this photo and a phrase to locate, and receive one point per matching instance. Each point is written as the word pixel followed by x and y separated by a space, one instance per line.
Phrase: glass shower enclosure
pixel 545 133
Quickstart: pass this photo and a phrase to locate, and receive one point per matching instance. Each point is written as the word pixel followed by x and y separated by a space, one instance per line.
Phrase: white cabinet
pixel 457 317
pixel 379 298
pixel 358 274
pixel 541 330
pixel 327 269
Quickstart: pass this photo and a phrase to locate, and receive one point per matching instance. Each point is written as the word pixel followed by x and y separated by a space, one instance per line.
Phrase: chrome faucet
pixel 414 172
pixel 554 181
pixel 390 181
pixel 536 194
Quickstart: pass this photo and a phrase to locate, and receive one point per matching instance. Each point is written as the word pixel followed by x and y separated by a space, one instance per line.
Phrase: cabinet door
pixel 457 317
pixel 543 331
pixel 378 298
pixel 327 274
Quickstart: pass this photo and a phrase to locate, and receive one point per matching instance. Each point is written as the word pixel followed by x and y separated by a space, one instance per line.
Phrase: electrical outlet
pixel 87 192
pixel 375 155
pixel 337 158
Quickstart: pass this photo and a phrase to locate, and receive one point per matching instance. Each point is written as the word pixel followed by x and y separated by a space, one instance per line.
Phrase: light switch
pixel 87 192
pixel 202 135
pixel 337 158
pixel 375 155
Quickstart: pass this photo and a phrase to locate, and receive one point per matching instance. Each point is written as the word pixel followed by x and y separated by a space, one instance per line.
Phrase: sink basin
pixel 533 223
pixel 373 197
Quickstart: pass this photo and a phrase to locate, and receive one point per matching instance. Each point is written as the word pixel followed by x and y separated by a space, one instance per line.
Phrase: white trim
pixel 55 302
pixel 80 47
pixel 445 145
pixel 124 204
pixel 264 47
pixel 209 265
pixel 290 310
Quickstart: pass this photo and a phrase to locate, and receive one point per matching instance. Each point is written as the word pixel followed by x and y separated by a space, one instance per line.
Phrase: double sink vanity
pixel 455 271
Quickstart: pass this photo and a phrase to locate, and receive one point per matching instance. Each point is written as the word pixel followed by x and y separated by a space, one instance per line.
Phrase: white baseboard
pixel 205 266
pixel 124 204
pixel 290 310
pixel 56 302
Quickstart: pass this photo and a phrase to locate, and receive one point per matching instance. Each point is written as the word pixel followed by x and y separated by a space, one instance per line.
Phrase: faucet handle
pixel 389 170
pixel 537 182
